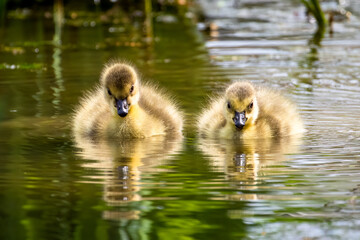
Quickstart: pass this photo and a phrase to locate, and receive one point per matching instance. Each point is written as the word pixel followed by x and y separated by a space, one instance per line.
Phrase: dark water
pixel 52 187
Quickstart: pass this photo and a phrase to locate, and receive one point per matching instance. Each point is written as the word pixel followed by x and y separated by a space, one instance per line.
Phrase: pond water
pixel 53 187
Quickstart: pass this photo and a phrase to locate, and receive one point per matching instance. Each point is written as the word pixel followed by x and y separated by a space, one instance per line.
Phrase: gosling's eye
pixel 228 105
pixel 109 92
pixel 132 89
pixel 251 105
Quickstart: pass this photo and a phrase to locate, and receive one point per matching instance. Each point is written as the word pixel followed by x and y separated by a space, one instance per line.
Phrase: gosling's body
pixel 122 107
pixel 270 115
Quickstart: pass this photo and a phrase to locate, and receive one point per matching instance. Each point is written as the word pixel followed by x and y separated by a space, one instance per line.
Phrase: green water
pixel 52 187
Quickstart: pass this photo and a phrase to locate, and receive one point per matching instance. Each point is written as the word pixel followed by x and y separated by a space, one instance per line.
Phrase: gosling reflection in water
pixel 121 164
pixel 245 162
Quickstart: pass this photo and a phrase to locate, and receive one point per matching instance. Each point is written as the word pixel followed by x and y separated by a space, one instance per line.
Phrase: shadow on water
pixel 2 16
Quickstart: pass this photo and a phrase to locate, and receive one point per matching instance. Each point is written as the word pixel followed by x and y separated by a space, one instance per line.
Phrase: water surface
pixel 55 187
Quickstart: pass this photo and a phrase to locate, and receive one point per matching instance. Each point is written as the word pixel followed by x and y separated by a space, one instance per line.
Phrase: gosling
pixel 249 112
pixel 123 107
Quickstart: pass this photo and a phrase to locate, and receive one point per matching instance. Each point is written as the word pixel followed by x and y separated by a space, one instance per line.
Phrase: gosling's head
pixel 241 106
pixel 121 87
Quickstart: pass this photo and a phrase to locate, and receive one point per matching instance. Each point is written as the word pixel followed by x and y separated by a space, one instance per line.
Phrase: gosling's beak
pixel 122 107
pixel 239 119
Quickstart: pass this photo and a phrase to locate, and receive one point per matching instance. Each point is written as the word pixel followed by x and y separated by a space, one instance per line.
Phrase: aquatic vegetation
pixel 23 66
pixel 314 7
pixel 13 50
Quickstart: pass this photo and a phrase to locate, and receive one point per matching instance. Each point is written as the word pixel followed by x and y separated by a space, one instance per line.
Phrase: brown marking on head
pixel 240 95
pixel 120 82
pixel 120 79
pixel 241 103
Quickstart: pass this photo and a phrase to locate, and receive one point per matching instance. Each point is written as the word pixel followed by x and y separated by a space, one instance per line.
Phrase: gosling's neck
pixel 134 114
pixel 130 125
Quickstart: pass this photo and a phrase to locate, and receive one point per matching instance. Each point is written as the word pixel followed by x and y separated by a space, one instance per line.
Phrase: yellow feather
pixel 268 114
pixel 150 111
